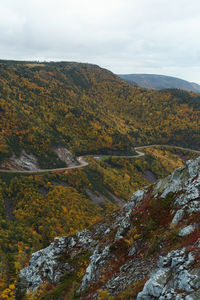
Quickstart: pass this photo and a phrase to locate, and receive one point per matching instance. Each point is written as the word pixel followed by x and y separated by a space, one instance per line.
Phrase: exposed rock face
pixel 28 162
pixel 173 280
pixel 187 230
pixel 24 162
pixel 45 264
pixel 120 249
pixel 186 182
pixel 178 216
pixel 123 221
pixel 97 260
pixel 65 155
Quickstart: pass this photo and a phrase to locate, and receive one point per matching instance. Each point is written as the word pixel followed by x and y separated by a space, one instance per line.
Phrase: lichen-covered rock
pixel 97 260
pixel 123 226
pixel 185 180
pixel 85 240
pixel 187 230
pixel 132 251
pixel 123 221
pixel 172 275
pixel 155 285
pixel 45 264
pixel 178 216
pixel 184 184
pixel 171 184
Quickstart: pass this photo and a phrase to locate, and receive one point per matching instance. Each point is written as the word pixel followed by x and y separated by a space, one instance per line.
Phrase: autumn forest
pixel 88 110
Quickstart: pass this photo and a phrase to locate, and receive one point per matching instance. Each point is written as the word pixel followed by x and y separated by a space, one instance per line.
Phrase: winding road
pixel 83 163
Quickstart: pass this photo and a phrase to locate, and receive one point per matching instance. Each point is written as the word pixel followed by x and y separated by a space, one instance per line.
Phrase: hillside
pixel 157 230
pixel 158 82
pixel 86 109
pixel 35 208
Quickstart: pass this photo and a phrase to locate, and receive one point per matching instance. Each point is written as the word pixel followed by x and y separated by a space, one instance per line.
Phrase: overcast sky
pixel 124 36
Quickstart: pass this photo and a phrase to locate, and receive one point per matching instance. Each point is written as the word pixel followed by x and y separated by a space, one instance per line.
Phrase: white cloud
pixel 125 36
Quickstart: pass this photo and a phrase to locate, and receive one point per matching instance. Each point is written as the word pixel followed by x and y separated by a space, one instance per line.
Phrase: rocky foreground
pixel 150 249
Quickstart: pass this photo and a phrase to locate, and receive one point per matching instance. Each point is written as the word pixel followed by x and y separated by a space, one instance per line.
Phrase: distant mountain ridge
pixel 158 82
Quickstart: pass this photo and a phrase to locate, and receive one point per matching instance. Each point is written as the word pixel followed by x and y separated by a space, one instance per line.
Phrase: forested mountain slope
pixel 87 109
pixel 153 81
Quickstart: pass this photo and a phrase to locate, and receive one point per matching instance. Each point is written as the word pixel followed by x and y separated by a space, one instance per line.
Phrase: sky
pixel 124 36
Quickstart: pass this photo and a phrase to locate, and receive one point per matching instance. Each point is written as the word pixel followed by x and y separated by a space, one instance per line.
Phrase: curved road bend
pixel 83 163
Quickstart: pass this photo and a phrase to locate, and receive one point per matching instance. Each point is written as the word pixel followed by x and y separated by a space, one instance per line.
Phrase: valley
pixel 37 207
pixel 76 142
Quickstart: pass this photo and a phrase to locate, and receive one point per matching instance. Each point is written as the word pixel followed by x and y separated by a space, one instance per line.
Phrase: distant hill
pixel 158 82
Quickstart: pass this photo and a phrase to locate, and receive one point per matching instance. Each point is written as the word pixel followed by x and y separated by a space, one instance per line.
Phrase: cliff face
pixel 150 249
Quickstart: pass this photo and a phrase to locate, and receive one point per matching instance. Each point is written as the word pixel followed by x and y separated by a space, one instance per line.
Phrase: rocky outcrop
pixel 187 230
pixel 97 260
pixel 65 155
pixel 184 182
pixel 123 221
pixel 46 263
pixel 175 278
pixel 124 248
